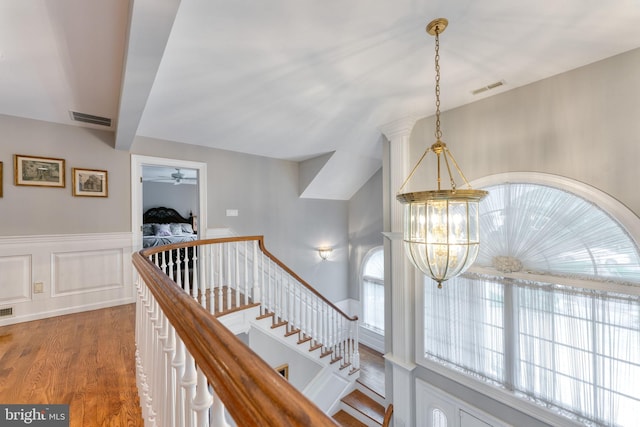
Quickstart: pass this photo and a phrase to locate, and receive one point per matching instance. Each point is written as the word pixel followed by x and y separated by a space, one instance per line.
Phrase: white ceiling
pixel 290 79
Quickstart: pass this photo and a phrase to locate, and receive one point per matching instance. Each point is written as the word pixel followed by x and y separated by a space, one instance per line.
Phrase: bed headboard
pixel 162 215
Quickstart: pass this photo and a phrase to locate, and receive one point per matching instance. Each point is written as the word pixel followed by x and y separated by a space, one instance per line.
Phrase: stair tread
pixel 315 347
pixel 304 340
pixel 366 405
pixel 264 316
pixel 279 324
pixel 346 420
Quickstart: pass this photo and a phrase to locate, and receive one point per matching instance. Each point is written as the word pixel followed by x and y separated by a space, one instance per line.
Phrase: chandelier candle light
pixel 441 234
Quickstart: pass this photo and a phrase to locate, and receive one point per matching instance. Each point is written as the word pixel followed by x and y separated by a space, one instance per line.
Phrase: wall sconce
pixel 324 252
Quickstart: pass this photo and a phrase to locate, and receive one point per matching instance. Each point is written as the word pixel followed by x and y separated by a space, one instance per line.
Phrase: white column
pixel 401 308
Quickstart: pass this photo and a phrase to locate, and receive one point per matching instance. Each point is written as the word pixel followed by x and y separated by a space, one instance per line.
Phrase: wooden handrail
pixel 253 392
pixel 260 239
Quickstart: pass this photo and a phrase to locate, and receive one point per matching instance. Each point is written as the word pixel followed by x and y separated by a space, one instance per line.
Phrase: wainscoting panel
pixel 15 278
pixel 76 272
pixel 46 276
pixel 433 403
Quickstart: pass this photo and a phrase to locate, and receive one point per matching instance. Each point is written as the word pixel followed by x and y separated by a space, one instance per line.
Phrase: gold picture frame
pixel 38 171
pixel 90 182
pixel 283 370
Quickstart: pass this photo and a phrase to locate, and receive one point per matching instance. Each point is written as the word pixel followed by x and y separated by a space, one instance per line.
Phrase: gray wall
pixel 183 198
pixel 365 228
pixel 301 369
pixel 265 193
pixel 41 210
pixel 582 125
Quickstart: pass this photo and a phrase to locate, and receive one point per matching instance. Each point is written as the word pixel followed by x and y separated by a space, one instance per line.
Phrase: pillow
pixel 187 229
pixel 147 229
pixel 162 230
pixel 176 229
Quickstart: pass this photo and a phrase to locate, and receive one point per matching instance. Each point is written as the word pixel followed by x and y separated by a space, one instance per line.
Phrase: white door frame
pixel 137 162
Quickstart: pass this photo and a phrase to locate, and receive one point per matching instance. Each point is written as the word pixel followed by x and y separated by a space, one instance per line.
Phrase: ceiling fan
pixel 178 177
pixel 169 175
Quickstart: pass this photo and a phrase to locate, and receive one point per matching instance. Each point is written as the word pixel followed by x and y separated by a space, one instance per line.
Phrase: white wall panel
pixel 75 272
pixel 15 278
pixel 457 412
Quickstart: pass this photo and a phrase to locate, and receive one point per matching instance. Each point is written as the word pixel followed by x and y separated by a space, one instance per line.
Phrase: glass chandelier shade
pixel 441 233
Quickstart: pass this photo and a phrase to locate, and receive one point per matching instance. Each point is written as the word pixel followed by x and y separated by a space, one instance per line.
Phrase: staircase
pixel 361 407
pixel 336 375
pixel 245 287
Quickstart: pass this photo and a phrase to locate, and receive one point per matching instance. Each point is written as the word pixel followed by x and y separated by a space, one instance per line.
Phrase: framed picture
pixel 283 370
pixel 1 173
pixel 90 183
pixel 38 171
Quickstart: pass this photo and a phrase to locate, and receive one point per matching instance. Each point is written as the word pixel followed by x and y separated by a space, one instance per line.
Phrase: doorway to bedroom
pixel 177 185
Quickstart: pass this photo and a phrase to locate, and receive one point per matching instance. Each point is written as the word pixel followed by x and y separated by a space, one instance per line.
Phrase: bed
pixel 164 226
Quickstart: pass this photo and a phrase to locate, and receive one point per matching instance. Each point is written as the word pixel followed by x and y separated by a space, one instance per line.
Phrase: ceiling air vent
pixel 487 87
pixel 6 311
pixel 89 118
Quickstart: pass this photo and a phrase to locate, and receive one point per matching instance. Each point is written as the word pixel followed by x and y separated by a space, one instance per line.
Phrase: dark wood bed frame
pixel 162 215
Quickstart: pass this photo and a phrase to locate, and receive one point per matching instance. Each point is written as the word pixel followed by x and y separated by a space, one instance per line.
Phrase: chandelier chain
pixel 438 133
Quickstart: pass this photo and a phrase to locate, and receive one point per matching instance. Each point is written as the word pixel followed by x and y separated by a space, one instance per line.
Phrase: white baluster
pixel 160 367
pixel 210 251
pixel 356 344
pixel 188 289
pixel 303 312
pixel 300 308
pixel 218 418
pixel 163 265
pixel 178 367
pixel 220 253
pixel 228 274
pixel 170 383
pixel 269 293
pixel 246 274
pixel 202 400
pixel 194 273
pixel 150 363
pixel 189 380
pixel 257 283
pixel 237 285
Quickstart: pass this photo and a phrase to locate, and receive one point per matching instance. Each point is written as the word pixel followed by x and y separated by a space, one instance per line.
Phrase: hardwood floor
pixel 371 369
pixel 86 360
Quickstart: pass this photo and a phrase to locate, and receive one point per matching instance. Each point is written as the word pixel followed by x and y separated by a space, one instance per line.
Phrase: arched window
pixel 373 290
pixel 550 310
pixel 438 418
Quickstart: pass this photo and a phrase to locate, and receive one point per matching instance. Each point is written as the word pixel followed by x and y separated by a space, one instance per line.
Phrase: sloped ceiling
pixel 294 80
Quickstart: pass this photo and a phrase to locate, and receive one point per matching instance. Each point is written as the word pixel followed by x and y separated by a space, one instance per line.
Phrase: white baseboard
pixel 64 311
pixel 371 339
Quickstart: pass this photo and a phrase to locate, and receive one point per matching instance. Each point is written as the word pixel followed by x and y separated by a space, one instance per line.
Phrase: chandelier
pixel 441 234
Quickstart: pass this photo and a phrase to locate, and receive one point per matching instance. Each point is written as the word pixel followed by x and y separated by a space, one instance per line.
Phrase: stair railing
pixel 193 371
